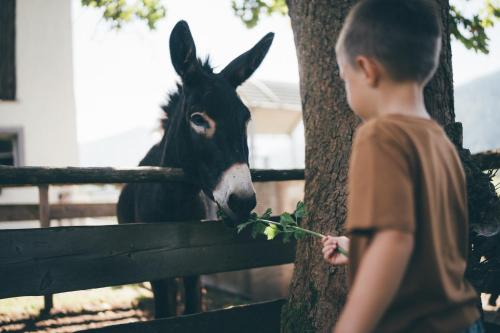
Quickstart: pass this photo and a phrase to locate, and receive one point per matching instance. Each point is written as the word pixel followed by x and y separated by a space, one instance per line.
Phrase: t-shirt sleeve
pixel 380 185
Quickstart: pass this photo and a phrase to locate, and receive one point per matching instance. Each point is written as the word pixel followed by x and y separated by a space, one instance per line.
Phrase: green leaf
pixel 300 210
pixel 258 228
pixel 242 226
pixel 271 231
pixel 287 236
pixel 286 219
pixel 267 214
pixel 298 234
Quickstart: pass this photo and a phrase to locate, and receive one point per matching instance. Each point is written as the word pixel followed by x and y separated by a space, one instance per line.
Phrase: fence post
pixel 44 213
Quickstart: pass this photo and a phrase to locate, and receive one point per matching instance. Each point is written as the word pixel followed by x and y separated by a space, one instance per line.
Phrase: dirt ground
pixel 94 308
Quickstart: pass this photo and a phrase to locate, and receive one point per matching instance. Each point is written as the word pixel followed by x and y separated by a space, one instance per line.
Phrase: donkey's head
pixel 212 120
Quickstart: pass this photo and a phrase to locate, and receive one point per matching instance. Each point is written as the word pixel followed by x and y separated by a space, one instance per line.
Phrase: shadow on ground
pixel 131 304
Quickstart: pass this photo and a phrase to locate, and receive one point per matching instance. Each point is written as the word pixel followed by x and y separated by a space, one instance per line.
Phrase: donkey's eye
pixel 198 120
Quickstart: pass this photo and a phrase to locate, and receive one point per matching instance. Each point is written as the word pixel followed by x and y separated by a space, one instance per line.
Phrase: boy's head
pixel 398 39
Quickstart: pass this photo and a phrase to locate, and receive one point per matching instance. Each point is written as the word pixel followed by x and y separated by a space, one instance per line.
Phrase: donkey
pixel 205 135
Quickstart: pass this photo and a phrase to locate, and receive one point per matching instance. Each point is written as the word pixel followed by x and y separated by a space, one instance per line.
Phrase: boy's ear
pixel 370 70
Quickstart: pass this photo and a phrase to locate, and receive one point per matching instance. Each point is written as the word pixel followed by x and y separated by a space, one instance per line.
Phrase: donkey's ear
pixel 183 50
pixel 241 68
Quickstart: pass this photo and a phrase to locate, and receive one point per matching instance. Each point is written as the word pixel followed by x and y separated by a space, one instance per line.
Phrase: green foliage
pixel 118 12
pixel 288 225
pixel 250 11
pixel 471 31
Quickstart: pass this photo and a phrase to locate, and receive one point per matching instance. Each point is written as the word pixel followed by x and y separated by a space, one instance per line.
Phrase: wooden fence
pixel 45 261
pixel 51 260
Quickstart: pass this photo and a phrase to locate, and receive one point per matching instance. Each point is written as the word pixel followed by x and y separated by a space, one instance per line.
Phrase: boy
pixel 407 208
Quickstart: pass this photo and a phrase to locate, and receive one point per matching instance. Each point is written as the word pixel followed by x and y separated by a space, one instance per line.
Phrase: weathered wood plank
pixel 18 213
pixel 44 261
pixel 45 175
pixel 42 175
pixel 44 213
pixel 21 176
pixel 260 317
pixel 268 175
pixel 13 213
pixel 44 207
pixel 70 211
pixel 488 159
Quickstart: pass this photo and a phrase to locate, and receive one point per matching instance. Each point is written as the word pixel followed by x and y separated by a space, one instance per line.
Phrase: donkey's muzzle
pixel 242 205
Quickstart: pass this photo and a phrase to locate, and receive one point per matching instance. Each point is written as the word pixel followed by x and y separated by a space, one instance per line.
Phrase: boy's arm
pixel 377 280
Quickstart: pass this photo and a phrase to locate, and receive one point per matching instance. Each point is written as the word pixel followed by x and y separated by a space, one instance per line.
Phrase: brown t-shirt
pixel 406 175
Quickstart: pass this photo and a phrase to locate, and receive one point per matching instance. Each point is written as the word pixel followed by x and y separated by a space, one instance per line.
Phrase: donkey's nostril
pixel 242 205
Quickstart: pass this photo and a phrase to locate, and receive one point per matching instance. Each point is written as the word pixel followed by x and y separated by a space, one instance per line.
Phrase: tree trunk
pixel 318 292
pixel 439 92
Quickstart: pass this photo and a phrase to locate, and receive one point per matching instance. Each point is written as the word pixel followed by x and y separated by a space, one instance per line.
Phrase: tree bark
pixel 439 91
pixel 318 292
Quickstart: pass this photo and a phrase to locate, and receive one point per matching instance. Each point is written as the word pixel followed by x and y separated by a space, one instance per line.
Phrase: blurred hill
pixel 477 107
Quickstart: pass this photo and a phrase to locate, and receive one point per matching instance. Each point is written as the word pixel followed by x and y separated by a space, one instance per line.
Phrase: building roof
pixel 275 106
pixel 265 93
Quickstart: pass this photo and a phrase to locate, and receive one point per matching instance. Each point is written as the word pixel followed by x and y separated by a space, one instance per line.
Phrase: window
pixel 11 147
pixel 8 50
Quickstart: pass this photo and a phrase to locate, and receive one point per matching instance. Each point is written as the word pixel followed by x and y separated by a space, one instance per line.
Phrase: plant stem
pixel 339 249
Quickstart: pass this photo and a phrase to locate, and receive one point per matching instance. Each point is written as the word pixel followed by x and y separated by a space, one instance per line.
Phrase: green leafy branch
pixel 118 12
pixel 288 225
pixel 471 31
pixel 250 11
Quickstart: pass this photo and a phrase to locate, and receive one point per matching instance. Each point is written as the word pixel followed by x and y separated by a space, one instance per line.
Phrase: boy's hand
pixel 330 245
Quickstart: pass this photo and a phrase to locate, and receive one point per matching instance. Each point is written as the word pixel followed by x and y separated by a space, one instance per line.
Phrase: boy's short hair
pixel 403 35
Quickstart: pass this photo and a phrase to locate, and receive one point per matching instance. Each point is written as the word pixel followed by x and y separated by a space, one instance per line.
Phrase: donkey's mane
pixel 173 98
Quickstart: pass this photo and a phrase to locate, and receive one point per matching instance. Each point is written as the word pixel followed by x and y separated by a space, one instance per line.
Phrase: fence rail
pixel 52 260
pixel 27 212
pixel 21 176
pixel 489 159
pixel 260 317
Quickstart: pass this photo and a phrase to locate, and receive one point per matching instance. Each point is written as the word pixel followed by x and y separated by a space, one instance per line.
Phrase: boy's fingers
pixel 329 248
pixel 327 255
pixel 330 242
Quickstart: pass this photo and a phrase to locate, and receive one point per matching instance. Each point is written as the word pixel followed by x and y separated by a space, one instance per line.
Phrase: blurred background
pixel 89 95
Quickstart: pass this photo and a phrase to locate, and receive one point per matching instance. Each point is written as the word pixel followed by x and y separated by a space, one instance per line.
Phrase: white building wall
pixel 45 105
